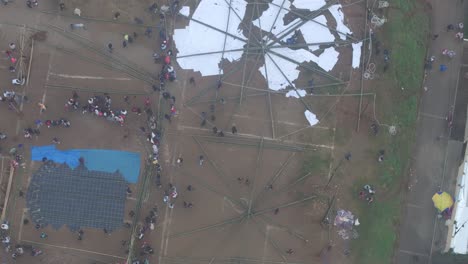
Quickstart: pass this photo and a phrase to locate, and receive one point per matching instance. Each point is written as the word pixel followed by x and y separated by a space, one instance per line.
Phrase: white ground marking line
pixel 280 122
pixel 295 132
pixel 332 156
pixel 211 261
pixel 267 138
pixel 28 75
pixel 413 253
pixel 168 213
pixel 433 116
pixel 75 249
pixel 166 246
pixel 68 76
pixel 182 98
pixel 1 172
pixel 47 78
pixel 265 244
pixel 164 232
pixel 233 206
pixel 20 232
pixel 414 206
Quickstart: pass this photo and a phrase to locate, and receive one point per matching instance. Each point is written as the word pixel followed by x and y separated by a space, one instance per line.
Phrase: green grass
pixel 377 228
pixel 406 36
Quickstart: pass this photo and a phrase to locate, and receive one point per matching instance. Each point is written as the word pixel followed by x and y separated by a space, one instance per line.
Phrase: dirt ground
pixel 233 215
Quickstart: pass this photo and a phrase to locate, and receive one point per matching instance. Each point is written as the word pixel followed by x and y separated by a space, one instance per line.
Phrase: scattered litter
pixel 345 222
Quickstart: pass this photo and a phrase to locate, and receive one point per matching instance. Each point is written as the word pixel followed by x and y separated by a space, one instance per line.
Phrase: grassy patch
pixel 377 221
pixel 406 35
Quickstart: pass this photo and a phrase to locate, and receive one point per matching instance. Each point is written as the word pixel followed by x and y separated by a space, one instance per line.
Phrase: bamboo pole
pixel 7 195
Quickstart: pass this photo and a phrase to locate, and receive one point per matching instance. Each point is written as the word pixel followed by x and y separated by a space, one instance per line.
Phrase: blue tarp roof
pixel 127 163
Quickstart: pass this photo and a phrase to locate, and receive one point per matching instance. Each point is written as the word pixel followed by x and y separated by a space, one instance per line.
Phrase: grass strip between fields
pixel 406 36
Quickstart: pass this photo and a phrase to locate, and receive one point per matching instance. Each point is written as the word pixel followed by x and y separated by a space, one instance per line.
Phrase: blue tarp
pixel 127 163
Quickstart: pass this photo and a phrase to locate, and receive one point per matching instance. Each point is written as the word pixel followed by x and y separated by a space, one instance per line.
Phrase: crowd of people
pixel 16 250
pixel 448 53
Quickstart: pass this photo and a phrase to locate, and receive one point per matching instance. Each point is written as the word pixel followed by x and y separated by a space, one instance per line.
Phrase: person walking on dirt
pixel 173 110
pixel 42 107
pixel 201 159
pixel 77 12
pixel 110 47
pixel 168 117
pixel 234 129
pixel 180 160
pixel 116 15
pixel 148 32
pixel 80 234
pixel 450 27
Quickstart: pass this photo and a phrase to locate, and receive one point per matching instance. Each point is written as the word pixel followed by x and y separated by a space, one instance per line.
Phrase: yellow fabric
pixel 442 201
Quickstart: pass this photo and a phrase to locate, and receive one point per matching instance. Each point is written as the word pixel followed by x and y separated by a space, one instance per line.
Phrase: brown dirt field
pixel 259 152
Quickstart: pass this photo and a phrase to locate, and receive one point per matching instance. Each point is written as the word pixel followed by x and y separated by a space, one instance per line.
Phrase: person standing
pixel 180 160
pixel 201 160
pixel 110 47
pixel 42 107
pixel 77 12
pixel 234 129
